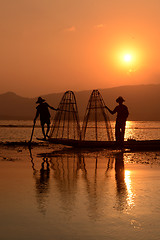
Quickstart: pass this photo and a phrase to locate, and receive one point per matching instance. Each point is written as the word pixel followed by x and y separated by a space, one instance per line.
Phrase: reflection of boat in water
pixel 77 176
pixel 91 173
pixel 86 172
pixel 66 128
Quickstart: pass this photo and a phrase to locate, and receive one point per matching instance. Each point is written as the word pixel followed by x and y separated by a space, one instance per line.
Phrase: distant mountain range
pixel 142 100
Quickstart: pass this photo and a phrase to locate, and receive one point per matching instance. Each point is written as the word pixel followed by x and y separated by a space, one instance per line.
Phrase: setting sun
pixel 127 57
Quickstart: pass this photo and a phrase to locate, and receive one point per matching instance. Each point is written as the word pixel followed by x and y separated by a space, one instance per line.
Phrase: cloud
pixel 70 29
pixel 99 26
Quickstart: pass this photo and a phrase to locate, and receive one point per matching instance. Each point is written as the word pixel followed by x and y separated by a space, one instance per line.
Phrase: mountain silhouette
pixel 142 101
pixel 15 107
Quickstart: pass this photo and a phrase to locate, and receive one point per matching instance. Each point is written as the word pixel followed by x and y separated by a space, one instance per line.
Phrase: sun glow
pixel 128 60
pixel 125 60
pixel 127 57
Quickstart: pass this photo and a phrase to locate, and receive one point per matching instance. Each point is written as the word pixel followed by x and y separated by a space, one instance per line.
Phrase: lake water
pixel 21 130
pixel 53 193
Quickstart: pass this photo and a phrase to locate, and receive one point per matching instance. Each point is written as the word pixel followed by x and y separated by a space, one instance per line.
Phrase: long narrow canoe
pixel 129 144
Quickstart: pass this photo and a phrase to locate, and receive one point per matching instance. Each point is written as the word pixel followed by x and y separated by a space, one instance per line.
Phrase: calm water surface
pixel 21 130
pixel 79 195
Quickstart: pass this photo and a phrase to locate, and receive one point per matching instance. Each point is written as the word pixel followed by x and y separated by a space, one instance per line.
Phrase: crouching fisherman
pixel 122 115
pixel 43 111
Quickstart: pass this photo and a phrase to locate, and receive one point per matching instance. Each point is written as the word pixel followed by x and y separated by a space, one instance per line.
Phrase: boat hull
pixel 130 144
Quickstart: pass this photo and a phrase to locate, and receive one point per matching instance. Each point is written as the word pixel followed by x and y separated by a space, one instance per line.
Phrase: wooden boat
pixel 129 144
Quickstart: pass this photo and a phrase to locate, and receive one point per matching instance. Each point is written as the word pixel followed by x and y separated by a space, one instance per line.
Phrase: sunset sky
pixel 51 46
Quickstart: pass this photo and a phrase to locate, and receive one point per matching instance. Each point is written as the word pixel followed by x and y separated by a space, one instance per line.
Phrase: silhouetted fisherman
pixel 122 114
pixel 43 111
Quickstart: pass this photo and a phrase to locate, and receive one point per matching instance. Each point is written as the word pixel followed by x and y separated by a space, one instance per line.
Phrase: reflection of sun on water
pixel 129 133
pixel 130 195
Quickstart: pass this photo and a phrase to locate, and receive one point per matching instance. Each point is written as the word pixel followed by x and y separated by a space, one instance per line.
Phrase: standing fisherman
pixel 43 111
pixel 122 114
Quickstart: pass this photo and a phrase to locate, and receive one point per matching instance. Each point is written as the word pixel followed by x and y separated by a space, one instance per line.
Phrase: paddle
pixel 32 132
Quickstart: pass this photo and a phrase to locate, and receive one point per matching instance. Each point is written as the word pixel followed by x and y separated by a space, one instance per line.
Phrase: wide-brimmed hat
pixel 40 100
pixel 120 99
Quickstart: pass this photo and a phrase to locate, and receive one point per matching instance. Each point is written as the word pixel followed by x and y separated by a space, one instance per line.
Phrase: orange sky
pixel 54 45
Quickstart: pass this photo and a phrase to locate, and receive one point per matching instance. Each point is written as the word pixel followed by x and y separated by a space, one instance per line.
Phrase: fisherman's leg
pixel 48 128
pixel 117 132
pixel 123 131
pixel 42 125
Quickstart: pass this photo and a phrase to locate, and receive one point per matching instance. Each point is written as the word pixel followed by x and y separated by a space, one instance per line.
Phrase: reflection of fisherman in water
pixel 122 114
pixel 119 171
pixel 42 182
pixel 42 185
pixel 120 180
pixel 44 174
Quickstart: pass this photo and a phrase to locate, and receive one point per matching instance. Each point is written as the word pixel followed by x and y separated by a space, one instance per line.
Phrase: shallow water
pixel 50 194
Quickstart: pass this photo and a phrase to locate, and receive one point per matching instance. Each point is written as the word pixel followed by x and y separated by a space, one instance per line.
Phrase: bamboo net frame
pixel 96 124
pixel 66 122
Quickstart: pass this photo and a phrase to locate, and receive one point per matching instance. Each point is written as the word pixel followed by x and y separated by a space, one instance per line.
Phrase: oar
pixel 32 132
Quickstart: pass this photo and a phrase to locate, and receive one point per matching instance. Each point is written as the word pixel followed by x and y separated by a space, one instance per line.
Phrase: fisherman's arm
pixel 112 112
pixel 56 109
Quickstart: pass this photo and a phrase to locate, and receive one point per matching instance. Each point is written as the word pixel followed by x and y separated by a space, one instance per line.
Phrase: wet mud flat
pixel 12 150
pixel 46 149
